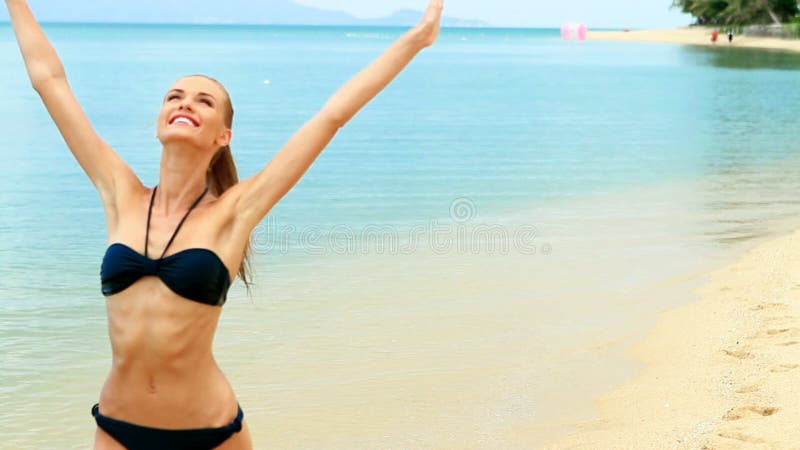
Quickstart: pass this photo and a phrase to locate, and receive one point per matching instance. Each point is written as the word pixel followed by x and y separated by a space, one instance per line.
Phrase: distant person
pixel 714 36
pixel 730 36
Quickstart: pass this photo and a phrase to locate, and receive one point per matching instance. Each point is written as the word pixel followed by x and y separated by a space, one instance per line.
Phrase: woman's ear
pixel 224 139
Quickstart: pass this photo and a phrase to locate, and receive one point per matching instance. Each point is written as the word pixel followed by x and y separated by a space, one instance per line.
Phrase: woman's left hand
pixel 427 29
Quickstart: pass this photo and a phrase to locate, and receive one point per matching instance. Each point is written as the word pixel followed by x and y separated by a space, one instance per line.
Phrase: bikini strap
pixel 180 224
pixel 149 213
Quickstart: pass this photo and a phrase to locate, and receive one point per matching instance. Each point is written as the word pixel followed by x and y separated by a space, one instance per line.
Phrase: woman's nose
pixel 185 104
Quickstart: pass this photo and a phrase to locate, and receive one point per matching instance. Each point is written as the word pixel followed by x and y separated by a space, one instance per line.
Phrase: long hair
pixel 222 175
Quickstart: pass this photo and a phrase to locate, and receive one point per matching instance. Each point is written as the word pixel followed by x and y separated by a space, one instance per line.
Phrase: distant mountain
pixel 210 11
pixel 408 17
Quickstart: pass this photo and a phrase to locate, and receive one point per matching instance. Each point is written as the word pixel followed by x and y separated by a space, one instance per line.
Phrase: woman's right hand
pixel 427 30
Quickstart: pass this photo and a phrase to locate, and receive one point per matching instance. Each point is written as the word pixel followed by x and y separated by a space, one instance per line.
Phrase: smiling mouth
pixel 183 121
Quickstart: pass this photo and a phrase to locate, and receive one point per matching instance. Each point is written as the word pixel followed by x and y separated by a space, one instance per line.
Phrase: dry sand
pixel 721 373
pixel 695 36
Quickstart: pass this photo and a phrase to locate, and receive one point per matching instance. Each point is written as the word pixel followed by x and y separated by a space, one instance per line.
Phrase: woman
pixel 175 248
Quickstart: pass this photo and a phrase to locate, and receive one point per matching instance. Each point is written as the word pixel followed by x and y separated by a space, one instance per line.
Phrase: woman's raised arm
pixel 104 167
pixel 255 196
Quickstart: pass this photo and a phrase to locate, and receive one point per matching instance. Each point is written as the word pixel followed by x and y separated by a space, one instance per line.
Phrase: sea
pixel 462 267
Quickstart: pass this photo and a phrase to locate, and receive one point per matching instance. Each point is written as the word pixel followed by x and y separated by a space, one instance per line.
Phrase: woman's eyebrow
pixel 181 91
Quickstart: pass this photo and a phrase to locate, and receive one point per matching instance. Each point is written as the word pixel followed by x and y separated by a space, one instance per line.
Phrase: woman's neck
pixel 182 178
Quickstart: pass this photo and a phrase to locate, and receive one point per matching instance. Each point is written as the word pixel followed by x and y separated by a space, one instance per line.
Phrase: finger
pixel 436 5
pixel 435 8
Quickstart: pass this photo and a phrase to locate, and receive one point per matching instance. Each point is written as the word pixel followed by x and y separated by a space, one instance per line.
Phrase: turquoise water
pixel 504 118
pixel 501 117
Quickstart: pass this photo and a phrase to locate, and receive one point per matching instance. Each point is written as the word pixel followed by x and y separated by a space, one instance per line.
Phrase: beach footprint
pixel 784 368
pixel 777 332
pixel 769 305
pixel 784 332
pixel 739 436
pixel 739 354
pixel 748 389
pixel 749 411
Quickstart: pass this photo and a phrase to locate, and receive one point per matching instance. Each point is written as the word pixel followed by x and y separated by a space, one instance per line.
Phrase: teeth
pixel 183 120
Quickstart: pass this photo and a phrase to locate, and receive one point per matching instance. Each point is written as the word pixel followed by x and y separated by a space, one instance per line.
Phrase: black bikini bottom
pixel 136 437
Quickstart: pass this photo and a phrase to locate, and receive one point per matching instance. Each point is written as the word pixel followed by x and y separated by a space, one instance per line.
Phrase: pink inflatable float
pixel 574 31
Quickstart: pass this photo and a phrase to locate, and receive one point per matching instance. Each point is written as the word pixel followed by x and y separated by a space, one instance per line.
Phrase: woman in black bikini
pixel 164 390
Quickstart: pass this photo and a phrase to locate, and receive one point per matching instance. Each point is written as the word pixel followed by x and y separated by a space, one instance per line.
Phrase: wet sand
pixel 721 372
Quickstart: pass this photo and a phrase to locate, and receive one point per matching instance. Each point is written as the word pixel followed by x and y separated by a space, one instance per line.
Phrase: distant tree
pixel 726 12
pixel 705 11
pixel 786 10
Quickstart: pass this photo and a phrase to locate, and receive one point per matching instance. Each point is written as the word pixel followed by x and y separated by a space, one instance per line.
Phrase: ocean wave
pixel 378 36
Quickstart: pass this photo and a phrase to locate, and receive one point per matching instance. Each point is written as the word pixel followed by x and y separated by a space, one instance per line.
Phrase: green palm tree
pixel 739 11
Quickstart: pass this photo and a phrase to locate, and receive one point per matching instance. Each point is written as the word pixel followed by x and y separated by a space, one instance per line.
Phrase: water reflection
pixel 742 58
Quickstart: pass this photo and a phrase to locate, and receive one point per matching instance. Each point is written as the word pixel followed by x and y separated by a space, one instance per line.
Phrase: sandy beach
pixel 721 372
pixel 695 36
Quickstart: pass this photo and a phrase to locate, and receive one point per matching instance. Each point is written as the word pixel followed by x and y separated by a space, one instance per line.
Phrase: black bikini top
pixel 196 274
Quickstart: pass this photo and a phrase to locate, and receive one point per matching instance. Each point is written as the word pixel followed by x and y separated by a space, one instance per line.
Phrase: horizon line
pixel 494 27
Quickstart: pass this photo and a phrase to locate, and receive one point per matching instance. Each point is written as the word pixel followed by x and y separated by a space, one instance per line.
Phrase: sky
pixel 531 13
pixel 510 13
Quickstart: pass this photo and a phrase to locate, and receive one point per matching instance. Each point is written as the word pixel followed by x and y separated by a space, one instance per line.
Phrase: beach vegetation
pixel 739 12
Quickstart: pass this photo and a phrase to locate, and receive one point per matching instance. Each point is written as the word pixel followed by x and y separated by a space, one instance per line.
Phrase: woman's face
pixel 194 112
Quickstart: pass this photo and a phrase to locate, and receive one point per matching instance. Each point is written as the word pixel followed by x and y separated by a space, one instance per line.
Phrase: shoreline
pixel 696 36
pixel 499 420
pixel 718 372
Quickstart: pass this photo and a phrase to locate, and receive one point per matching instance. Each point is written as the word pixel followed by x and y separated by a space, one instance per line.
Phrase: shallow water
pixel 637 165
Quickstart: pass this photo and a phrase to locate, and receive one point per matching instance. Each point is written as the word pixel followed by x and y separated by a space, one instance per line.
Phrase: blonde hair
pixel 222 175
